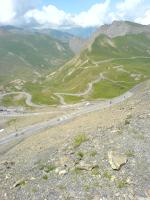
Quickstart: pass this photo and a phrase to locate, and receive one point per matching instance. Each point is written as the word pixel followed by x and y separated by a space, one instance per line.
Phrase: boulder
pixel 116 160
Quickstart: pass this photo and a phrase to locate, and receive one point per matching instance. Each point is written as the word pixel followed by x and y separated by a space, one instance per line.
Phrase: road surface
pixel 87 108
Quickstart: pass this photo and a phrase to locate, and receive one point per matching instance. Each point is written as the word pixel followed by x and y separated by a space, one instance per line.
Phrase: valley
pixel 123 61
pixel 75 113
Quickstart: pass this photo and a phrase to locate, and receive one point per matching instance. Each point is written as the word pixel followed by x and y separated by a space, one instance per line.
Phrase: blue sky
pixel 75 6
pixel 67 13
pixel 78 6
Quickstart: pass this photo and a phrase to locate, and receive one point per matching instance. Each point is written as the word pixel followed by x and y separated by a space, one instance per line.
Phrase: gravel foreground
pixel 79 167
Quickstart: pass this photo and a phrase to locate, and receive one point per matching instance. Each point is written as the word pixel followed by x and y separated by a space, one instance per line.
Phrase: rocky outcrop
pixel 116 160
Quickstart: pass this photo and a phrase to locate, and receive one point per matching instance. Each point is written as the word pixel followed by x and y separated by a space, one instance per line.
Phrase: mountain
pixel 57 34
pixel 115 61
pixel 75 42
pixel 26 53
pixel 121 28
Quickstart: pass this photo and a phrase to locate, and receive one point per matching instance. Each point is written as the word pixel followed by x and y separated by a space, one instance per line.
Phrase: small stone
pixel 129 181
pixel 117 194
pixel 85 166
pixel 148 192
pixel 7 176
pixel 116 160
pixel 20 183
pixel 32 178
pixel 57 170
pixel 62 172
pixel 96 198
pixel 5 195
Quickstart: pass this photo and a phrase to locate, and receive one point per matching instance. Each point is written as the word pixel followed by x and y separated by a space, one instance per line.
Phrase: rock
pixel 20 183
pixel 8 176
pixel 85 166
pixel 32 178
pixel 63 172
pixel 129 180
pixel 116 160
pixel 148 192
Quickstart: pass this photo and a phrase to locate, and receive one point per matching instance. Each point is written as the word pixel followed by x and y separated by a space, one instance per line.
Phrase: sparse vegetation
pixel 86 187
pixel 127 122
pixel 45 177
pixel 121 183
pixel 79 139
pixel 107 175
pixel 130 153
pixel 48 167
pixel 95 171
pixel 80 154
pixel 93 153
pixel 34 190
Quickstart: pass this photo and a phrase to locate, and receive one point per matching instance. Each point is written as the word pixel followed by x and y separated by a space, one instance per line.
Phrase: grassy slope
pixel 22 53
pixel 74 76
pixel 27 56
pixel 102 49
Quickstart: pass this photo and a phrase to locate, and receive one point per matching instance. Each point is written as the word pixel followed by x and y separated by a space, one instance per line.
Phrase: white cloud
pixel 48 15
pixel 19 12
pixel 95 16
pixel 145 19
pixel 128 5
pixel 128 8
pixel 7 12
pixel 12 11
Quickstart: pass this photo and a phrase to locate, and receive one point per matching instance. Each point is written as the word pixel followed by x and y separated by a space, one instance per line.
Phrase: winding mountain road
pixel 87 91
pixel 28 98
pixel 100 78
pixel 87 108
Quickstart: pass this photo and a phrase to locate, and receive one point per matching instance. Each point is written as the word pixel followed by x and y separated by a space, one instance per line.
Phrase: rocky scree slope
pixel 81 166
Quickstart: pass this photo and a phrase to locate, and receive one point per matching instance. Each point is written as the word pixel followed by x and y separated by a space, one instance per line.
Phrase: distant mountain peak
pixel 121 28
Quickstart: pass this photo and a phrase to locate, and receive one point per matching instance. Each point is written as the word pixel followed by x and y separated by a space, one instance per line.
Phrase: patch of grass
pixel 80 154
pixel 41 94
pixel 127 122
pixel 77 171
pixel 130 153
pixel 45 177
pixel 79 139
pixel 107 175
pixel 106 89
pixel 72 99
pixel 62 187
pixel 34 190
pixel 86 187
pixel 95 171
pixel 121 183
pixel 48 168
pixel 93 153
pixel 10 100
pixel 128 119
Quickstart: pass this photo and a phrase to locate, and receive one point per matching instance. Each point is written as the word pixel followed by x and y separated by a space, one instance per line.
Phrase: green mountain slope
pixel 26 54
pixel 108 68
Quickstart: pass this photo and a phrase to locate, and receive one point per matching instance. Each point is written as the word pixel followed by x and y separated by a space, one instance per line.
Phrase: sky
pixel 66 13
